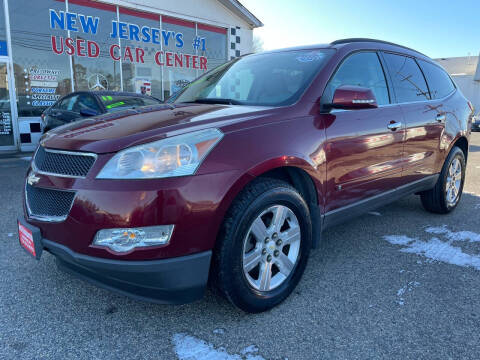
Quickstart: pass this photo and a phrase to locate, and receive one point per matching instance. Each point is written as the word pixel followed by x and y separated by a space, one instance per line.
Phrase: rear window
pixel 438 80
pixel 121 102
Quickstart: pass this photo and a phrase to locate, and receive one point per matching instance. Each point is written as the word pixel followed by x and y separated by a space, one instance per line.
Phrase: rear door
pixel 363 155
pixel 424 117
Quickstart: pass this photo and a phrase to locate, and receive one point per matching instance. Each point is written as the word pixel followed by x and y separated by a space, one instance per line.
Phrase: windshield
pixel 121 102
pixel 271 79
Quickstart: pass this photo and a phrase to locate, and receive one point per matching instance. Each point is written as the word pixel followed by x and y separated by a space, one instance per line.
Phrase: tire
pixel 240 243
pixel 438 199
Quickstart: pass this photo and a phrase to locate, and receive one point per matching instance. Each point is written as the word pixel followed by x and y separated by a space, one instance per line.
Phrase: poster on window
pixel 143 86
pixel 177 81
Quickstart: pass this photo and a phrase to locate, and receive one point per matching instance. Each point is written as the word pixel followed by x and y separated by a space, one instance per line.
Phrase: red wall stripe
pixel 211 28
pixel 94 4
pixel 139 14
pixel 180 22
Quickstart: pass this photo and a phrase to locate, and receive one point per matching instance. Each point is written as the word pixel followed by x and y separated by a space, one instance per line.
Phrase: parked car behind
pixel 82 104
pixel 238 176
pixel 476 123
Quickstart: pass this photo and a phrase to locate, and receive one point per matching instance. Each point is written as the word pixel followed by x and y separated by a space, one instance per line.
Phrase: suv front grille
pixel 63 163
pixel 47 204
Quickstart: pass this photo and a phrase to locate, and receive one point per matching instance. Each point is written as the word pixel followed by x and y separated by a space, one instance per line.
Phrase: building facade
pixel 49 48
pixel 465 71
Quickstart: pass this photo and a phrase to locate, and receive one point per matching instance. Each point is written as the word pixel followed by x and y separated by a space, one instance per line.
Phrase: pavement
pixel 396 283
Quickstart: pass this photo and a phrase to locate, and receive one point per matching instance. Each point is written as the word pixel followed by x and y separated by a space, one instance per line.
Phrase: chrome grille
pixel 47 204
pixel 63 163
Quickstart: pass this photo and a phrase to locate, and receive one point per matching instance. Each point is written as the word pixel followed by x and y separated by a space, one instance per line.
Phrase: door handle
pixel 394 125
pixel 440 117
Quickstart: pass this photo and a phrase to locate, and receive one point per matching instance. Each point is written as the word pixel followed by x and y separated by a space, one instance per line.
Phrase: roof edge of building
pixel 238 9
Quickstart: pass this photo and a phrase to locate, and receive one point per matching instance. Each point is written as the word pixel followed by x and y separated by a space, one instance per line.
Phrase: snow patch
pixel 435 249
pixel 10 234
pixel 403 290
pixel 191 348
pixel 375 213
pixel 219 331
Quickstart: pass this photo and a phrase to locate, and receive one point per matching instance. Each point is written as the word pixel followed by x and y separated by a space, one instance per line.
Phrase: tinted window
pixel 270 79
pixel 67 103
pixel 408 80
pixel 360 69
pixel 121 102
pixel 85 102
pixel 438 80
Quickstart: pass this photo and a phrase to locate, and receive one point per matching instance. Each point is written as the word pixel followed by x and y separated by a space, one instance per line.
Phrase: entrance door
pixel 7 139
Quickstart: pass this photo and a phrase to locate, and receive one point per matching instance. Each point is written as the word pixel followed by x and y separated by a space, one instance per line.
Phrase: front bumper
pixel 169 281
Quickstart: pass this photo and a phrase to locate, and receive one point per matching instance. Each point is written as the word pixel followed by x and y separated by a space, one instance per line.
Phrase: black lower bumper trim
pixel 168 281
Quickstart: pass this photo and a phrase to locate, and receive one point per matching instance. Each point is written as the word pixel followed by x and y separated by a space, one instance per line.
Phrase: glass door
pixel 7 140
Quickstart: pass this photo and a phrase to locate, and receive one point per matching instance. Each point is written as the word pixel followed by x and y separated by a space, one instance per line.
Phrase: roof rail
pixel 354 40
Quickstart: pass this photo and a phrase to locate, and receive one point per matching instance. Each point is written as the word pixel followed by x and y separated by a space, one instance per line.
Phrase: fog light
pixel 123 240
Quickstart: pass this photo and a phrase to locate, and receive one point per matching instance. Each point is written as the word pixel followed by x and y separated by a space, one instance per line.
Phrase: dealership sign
pixel 79 23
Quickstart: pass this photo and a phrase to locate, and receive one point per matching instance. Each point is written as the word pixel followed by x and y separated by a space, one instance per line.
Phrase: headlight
pixel 123 240
pixel 176 156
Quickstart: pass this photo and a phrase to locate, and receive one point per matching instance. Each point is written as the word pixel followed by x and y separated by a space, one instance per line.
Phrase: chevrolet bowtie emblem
pixel 32 179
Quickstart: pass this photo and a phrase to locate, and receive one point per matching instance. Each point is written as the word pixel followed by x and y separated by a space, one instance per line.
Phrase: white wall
pixel 211 11
pixel 469 88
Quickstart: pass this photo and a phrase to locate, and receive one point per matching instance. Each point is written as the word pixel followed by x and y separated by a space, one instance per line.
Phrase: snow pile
pixel 438 250
pixel 191 348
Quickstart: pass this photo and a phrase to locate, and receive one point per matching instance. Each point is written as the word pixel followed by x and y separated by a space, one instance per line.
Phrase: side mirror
pixel 88 112
pixel 351 97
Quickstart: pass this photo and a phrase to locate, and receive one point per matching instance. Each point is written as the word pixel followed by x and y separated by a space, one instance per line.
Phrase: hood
pixel 112 132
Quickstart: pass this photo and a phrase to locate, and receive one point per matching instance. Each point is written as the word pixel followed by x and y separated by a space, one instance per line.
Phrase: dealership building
pixel 49 48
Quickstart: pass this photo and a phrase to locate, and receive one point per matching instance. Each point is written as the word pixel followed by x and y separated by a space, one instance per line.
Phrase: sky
pixel 437 28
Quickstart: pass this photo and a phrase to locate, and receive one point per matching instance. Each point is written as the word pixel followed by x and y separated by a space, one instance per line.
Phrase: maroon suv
pixel 234 179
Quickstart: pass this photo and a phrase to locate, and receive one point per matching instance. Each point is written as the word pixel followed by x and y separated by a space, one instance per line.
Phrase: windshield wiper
pixel 216 101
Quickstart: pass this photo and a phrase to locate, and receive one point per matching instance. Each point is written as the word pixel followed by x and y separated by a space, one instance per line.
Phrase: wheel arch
pixel 462 143
pixel 295 171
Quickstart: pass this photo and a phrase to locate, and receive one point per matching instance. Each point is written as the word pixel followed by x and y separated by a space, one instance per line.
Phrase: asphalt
pixel 361 297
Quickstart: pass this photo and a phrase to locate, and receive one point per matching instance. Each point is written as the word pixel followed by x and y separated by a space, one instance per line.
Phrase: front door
pixel 364 156
pixel 7 138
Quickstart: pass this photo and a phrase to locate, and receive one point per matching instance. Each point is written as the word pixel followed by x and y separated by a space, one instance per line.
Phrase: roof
pixel 360 43
pixel 241 11
pixel 459 66
pixel 366 40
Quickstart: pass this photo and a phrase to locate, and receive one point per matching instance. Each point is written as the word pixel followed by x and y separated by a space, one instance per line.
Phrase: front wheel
pixel 263 247
pixel 446 194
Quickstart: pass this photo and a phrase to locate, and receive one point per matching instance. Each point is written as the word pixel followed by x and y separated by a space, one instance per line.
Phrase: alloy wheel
pixel 271 248
pixel 454 182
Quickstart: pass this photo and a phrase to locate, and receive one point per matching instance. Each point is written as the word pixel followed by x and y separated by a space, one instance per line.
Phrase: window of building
pixel 41 77
pixel 215 41
pixel 101 72
pixel 141 74
pixel 177 77
pixel 438 80
pixel 408 80
pixel 3 30
pixel 360 69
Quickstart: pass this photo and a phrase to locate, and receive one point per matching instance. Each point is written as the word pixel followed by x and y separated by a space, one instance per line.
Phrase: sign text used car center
pixel 121 30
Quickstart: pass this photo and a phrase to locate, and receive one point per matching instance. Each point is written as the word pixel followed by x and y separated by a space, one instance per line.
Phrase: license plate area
pixel 30 239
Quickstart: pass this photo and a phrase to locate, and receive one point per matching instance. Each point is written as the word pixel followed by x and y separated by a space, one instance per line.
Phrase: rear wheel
pixel 446 194
pixel 264 245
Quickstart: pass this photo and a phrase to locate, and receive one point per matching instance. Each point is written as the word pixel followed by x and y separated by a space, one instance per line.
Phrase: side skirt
pixel 345 213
